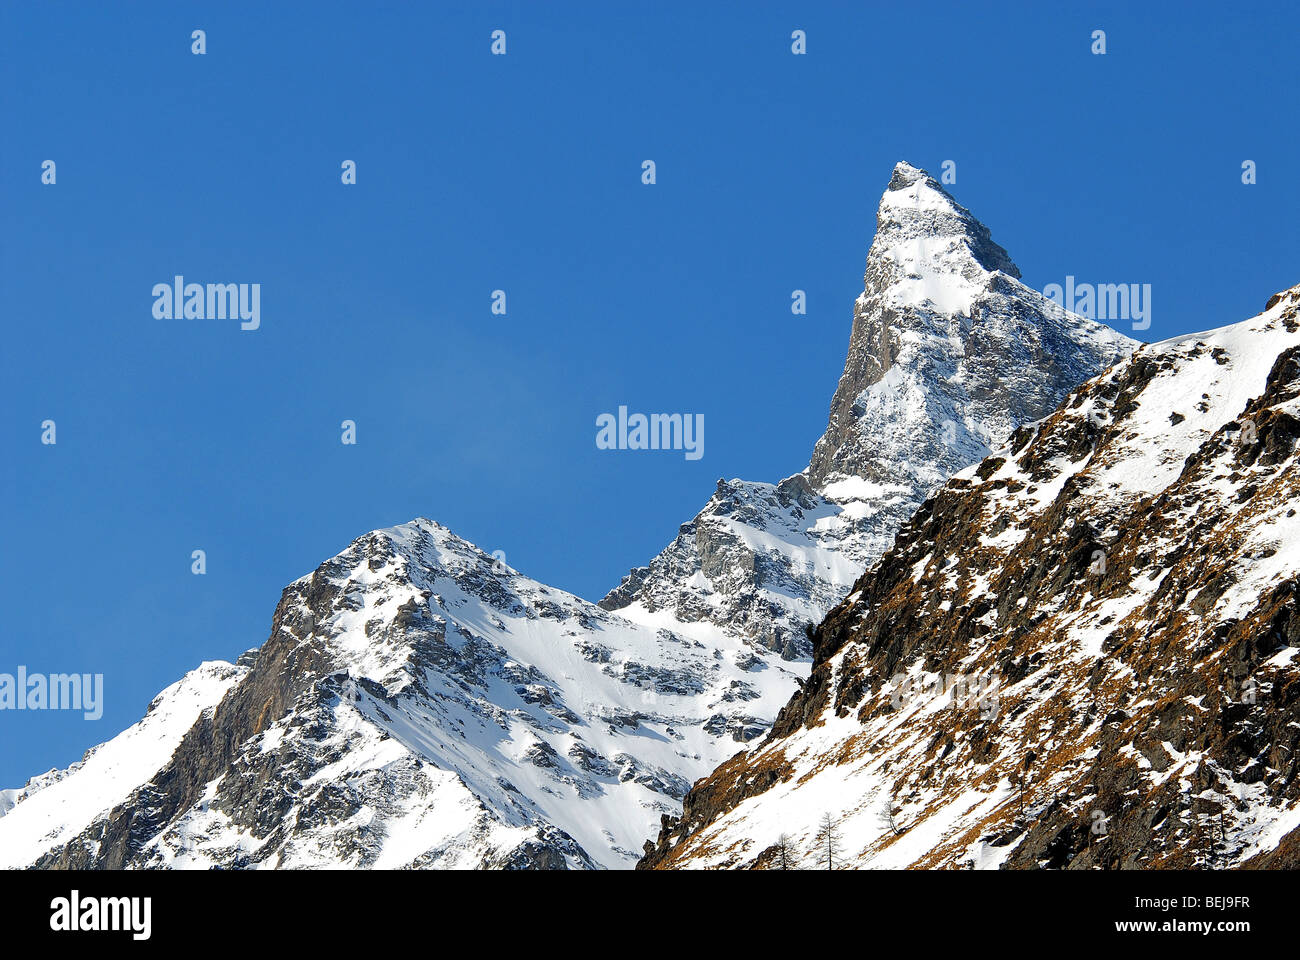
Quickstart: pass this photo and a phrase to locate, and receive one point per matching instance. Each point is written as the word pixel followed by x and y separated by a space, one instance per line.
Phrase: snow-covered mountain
pixel 948 354
pixel 420 704
pixel 1079 653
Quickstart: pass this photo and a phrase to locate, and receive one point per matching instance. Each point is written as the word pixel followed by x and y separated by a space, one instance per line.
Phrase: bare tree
pixel 1206 840
pixel 1021 779
pixel 784 853
pixel 828 841
pixel 887 817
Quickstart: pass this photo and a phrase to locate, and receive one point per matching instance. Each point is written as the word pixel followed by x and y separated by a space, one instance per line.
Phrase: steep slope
pixel 1081 653
pixel 420 704
pixel 948 354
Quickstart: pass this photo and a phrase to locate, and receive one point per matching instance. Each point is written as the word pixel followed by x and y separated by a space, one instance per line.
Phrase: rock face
pixel 949 353
pixel 761 560
pixel 1081 653
pixel 417 704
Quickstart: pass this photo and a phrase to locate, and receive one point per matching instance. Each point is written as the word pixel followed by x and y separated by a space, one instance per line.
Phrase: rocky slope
pixel 1079 654
pixel 418 704
pixel 949 352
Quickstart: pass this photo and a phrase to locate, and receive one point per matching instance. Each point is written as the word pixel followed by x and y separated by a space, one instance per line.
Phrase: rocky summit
pixel 420 704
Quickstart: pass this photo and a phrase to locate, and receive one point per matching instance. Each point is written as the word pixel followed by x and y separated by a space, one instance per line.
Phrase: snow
pixel 859 488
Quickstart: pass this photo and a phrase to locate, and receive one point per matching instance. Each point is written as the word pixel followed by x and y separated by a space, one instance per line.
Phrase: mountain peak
pixel 941 323
pixel 905 175
pixel 949 352
pixel 915 205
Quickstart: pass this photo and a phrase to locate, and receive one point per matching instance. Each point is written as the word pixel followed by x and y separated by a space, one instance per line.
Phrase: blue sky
pixel 522 173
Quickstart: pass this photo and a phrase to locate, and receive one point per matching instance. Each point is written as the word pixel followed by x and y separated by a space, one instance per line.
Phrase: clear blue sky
pixel 523 173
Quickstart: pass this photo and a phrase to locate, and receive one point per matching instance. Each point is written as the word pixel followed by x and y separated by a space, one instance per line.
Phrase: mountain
pixel 418 704
pixel 949 353
pixel 1080 653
